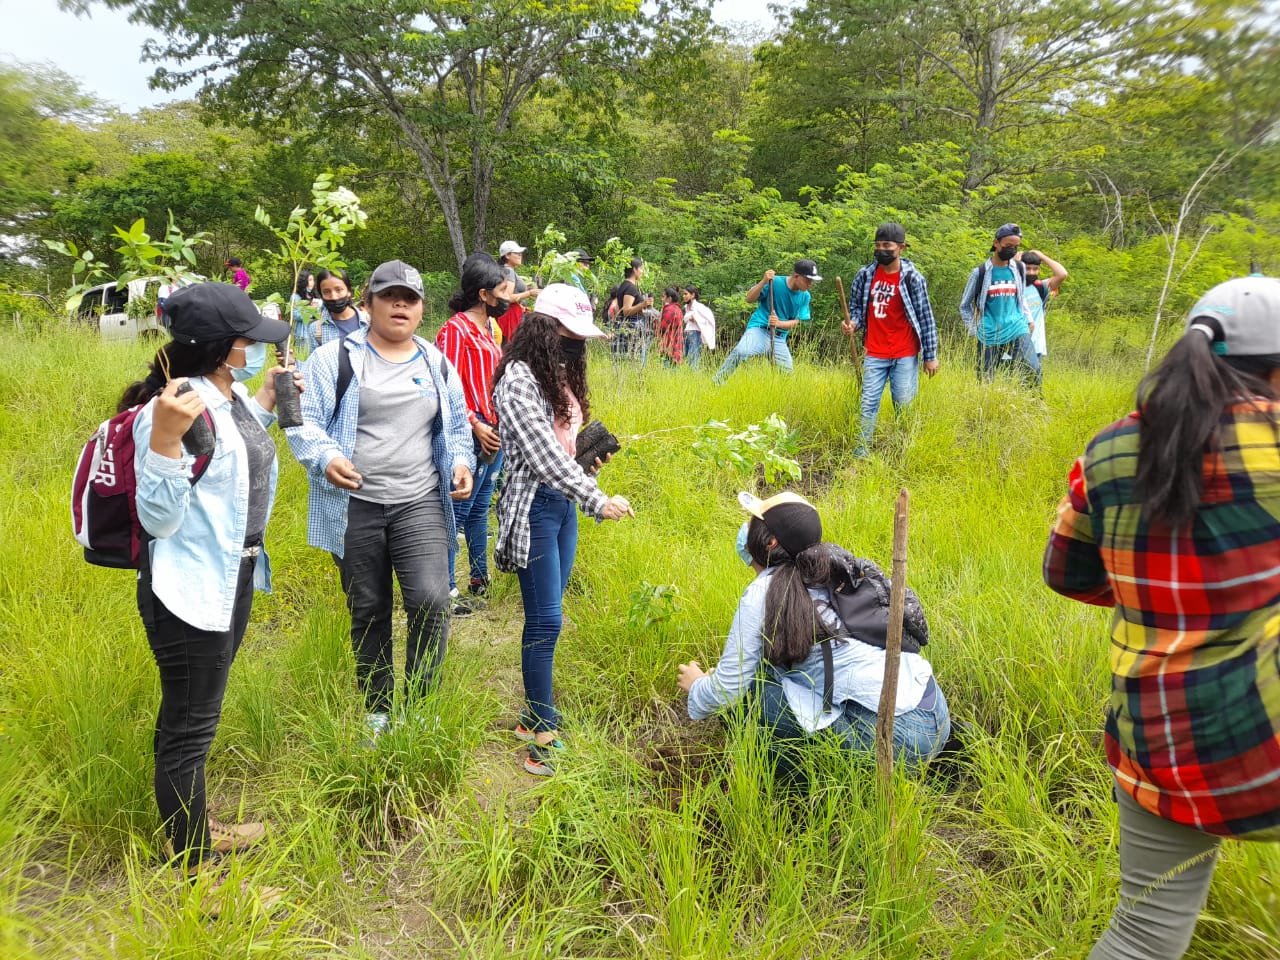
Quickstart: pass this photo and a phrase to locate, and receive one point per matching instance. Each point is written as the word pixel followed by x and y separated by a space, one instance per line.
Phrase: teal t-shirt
pixel 1002 319
pixel 788 304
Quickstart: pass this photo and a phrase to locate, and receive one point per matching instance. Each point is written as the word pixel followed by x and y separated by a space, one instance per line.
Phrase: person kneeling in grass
pixel 813 658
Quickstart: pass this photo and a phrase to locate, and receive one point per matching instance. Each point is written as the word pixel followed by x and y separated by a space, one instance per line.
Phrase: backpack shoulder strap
pixel 345 373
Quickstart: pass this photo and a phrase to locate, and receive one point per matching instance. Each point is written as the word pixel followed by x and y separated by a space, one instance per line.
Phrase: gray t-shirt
pixel 509 273
pixel 398 407
pixel 261 452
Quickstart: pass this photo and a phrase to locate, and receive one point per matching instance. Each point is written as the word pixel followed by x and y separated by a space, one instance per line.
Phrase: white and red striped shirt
pixel 475 356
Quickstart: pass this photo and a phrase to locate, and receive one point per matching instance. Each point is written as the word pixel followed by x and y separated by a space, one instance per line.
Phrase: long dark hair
pixel 304 278
pixel 636 264
pixel 1180 406
pixel 172 360
pixel 478 273
pixel 537 343
pixel 791 622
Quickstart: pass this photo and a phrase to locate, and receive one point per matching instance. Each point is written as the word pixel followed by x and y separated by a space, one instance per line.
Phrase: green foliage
pixel 769 446
pixel 652 604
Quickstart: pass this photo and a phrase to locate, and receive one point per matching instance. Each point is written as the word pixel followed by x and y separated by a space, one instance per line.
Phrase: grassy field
pixel 661 838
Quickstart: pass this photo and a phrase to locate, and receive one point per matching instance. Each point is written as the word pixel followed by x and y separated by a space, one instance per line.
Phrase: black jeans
pixel 411 541
pixel 194 665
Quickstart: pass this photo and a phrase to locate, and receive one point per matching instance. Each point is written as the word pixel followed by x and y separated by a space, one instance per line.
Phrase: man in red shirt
pixel 889 304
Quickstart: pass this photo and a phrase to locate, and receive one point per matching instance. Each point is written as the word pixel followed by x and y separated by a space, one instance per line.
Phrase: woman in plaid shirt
pixel 540 395
pixel 1172 517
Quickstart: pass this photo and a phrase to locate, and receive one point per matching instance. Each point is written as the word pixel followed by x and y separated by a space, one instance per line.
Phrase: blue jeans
pixel 692 347
pixel 1026 362
pixel 903 377
pixel 918 735
pixel 755 343
pixel 472 515
pixel 408 540
pixel 553 541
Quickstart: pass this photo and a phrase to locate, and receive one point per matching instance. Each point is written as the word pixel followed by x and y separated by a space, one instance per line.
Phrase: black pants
pixel 194 665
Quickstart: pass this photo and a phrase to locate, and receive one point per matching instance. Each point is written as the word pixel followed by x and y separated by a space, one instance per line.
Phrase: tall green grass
pixel 660 837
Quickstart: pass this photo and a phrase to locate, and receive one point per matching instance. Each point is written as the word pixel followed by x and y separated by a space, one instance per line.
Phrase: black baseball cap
pixel 807 268
pixel 892 232
pixel 792 519
pixel 1008 230
pixel 582 256
pixel 204 312
pixel 395 273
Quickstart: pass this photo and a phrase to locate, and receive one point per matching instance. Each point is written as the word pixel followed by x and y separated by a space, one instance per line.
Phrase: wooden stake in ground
pixel 844 305
pixel 893 645
pixel 773 330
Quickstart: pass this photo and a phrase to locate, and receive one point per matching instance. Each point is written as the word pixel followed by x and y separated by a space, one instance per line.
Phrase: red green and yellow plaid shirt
pixel 1193 726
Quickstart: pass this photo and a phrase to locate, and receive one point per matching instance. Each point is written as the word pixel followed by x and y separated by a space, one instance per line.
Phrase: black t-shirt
pixel 625 288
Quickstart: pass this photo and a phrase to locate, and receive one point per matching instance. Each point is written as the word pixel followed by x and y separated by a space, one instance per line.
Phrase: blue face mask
pixel 255 358
pixel 741 545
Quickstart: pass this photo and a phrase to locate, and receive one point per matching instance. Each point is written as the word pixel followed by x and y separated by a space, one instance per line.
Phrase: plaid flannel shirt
pixel 1193 725
pixel 325 434
pixel 915 299
pixel 534 457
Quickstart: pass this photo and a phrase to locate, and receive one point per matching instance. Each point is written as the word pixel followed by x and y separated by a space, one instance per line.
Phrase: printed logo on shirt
pixel 425 387
pixel 882 294
pixel 1002 288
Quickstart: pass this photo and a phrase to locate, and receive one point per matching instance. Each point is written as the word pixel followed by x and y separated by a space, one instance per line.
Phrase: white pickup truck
pixel 106 307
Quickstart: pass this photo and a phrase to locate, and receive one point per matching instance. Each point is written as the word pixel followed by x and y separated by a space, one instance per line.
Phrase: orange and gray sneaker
pixel 543 758
pixel 234 837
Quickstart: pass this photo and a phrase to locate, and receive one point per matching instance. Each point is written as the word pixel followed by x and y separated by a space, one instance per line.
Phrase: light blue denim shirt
pixel 326 435
pixel 199 528
pixel 859 670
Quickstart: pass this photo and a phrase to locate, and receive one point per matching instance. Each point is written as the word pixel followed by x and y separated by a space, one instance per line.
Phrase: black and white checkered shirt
pixel 534 457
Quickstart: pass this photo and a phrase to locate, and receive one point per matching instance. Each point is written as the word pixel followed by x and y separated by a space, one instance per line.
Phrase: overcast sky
pixel 102 49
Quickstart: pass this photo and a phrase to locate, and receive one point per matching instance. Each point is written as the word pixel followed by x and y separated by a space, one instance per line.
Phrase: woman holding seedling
pixel 205 521
pixel 1172 517
pixel 387 451
pixel 815 663
pixel 541 399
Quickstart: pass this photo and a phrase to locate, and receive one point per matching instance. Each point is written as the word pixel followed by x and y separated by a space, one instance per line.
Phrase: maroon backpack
pixel 104 516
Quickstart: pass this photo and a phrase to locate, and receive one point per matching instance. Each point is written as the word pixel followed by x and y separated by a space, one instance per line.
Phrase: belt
pixel 253 551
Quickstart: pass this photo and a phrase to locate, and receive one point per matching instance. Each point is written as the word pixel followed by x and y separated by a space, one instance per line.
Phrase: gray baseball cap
pixel 395 273
pixel 1248 310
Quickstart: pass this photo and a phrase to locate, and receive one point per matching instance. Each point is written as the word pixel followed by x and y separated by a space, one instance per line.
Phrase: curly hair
pixel 537 343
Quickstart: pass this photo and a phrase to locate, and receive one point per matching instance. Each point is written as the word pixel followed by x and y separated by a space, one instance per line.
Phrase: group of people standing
pixel 684 326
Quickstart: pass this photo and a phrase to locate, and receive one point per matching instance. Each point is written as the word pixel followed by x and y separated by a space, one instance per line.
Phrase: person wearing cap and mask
pixel 203 557
pixel 1172 517
pixel 782 303
pixel 829 688
pixel 889 304
pixel 541 398
pixel 581 268
pixel 994 309
pixel 385 462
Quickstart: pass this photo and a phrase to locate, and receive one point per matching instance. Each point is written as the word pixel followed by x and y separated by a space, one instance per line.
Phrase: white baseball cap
pixel 1248 311
pixel 510 246
pixel 570 306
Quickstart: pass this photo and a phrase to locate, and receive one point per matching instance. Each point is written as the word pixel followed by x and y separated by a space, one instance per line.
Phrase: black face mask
pixel 336 307
pixel 1006 253
pixel 572 349
pixel 885 257
pixel 495 310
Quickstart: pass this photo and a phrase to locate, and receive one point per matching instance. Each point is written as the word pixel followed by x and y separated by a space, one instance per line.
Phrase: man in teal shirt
pixel 782 303
pixel 994 309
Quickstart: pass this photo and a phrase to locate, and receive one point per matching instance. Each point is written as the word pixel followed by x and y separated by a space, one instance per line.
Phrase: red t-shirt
pixel 889 332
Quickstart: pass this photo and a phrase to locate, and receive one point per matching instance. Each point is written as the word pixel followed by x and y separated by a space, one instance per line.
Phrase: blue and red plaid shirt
pixel 1193 725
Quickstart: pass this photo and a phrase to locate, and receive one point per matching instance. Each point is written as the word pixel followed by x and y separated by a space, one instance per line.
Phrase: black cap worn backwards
pixel 204 312
pixel 893 232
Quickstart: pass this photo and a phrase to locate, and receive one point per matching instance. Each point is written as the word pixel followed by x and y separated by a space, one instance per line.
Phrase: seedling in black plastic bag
pixel 288 399
pixel 595 442
pixel 198 440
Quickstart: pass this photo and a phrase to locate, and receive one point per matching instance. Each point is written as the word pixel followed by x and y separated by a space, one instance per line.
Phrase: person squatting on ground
pixel 699 325
pixel 994 309
pixel 1172 517
pixel 207 531
pixel 889 303
pixel 671 328
pixel 814 673
pixel 782 303
pixel 467 342
pixel 1037 294
pixel 627 314
pixel 385 440
pixel 541 398
pixel 339 314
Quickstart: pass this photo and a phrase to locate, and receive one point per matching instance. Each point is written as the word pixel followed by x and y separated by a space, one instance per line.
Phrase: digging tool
pixel 773 330
pixel 844 305
pixel 893 644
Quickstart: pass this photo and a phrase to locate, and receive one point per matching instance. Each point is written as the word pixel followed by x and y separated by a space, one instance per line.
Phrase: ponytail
pixel 1180 406
pixel 175 359
pixel 791 622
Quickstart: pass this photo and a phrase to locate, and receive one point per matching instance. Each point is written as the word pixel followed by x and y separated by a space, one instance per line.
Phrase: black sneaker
pixel 479 588
pixel 461 606
pixel 543 758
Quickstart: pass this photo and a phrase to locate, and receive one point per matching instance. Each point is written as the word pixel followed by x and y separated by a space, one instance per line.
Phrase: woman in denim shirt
pixel 781 614
pixel 203 555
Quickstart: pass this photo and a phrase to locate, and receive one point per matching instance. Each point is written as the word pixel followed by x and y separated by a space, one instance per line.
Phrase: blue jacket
pixel 915 299
pixel 973 302
pixel 199 528
pixel 325 436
